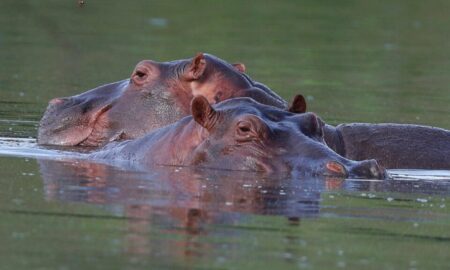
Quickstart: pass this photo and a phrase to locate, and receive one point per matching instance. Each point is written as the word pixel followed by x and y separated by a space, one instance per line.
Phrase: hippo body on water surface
pixel 157 94
pixel 241 134
pixel 394 146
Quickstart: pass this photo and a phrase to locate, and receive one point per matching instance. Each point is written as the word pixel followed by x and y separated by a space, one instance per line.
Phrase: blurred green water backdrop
pixel 356 61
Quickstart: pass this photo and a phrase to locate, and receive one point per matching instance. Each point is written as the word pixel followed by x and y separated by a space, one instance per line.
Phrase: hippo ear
pixel 312 126
pixel 196 68
pixel 298 105
pixel 202 112
pixel 239 67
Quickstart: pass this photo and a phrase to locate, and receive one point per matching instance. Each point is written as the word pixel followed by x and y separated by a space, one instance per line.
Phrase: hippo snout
pixel 369 169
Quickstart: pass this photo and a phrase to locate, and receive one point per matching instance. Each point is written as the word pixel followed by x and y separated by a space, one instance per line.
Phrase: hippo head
pixel 242 134
pixel 157 94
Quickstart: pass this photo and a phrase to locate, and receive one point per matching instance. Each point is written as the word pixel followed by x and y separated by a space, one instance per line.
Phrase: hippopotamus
pixel 241 134
pixel 157 94
pixel 394 146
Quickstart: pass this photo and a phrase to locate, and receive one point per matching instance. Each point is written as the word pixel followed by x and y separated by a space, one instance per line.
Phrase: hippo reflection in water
pixel 241 134
pixel 157 94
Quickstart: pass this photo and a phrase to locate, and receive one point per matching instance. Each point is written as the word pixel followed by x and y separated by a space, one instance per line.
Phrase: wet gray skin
pixel 156 95
pixel 394 146
pixel 241 134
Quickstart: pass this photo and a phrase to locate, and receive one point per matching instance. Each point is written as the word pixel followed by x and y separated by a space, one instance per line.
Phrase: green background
pixel 355 61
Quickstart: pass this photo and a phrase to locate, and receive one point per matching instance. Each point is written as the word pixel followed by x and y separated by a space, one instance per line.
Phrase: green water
pixel 356 61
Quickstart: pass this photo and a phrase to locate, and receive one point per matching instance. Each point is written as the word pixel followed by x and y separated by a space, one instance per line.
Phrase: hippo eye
pixel 244 131
pixel 244 126
pixel 140 74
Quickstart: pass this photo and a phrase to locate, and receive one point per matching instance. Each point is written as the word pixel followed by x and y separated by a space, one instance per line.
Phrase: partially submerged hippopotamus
pixel 241 134
pixel 157 94
pixel 394 146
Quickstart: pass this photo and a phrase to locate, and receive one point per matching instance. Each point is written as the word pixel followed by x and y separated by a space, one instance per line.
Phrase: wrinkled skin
pixel 157 94
pixel 241 134
pixel 394 146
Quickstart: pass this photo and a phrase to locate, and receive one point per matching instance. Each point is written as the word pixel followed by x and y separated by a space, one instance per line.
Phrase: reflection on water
pixel 184 215
pixel 186 202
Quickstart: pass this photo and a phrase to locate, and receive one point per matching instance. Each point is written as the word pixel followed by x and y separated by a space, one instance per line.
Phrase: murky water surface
pixel 356 61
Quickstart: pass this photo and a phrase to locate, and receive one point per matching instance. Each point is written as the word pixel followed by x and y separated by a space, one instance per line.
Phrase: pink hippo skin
pixel 157 94
pixel 241 134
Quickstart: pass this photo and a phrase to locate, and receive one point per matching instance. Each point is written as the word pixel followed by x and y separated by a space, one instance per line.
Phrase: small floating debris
pixel 422 200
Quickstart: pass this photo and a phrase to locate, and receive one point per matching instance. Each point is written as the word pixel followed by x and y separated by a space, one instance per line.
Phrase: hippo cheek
pixel 97 128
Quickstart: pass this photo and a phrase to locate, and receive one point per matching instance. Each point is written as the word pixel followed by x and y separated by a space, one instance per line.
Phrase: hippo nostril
pixel 336 169
pixel 376 170
pixel 369 169
pixel 56 101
